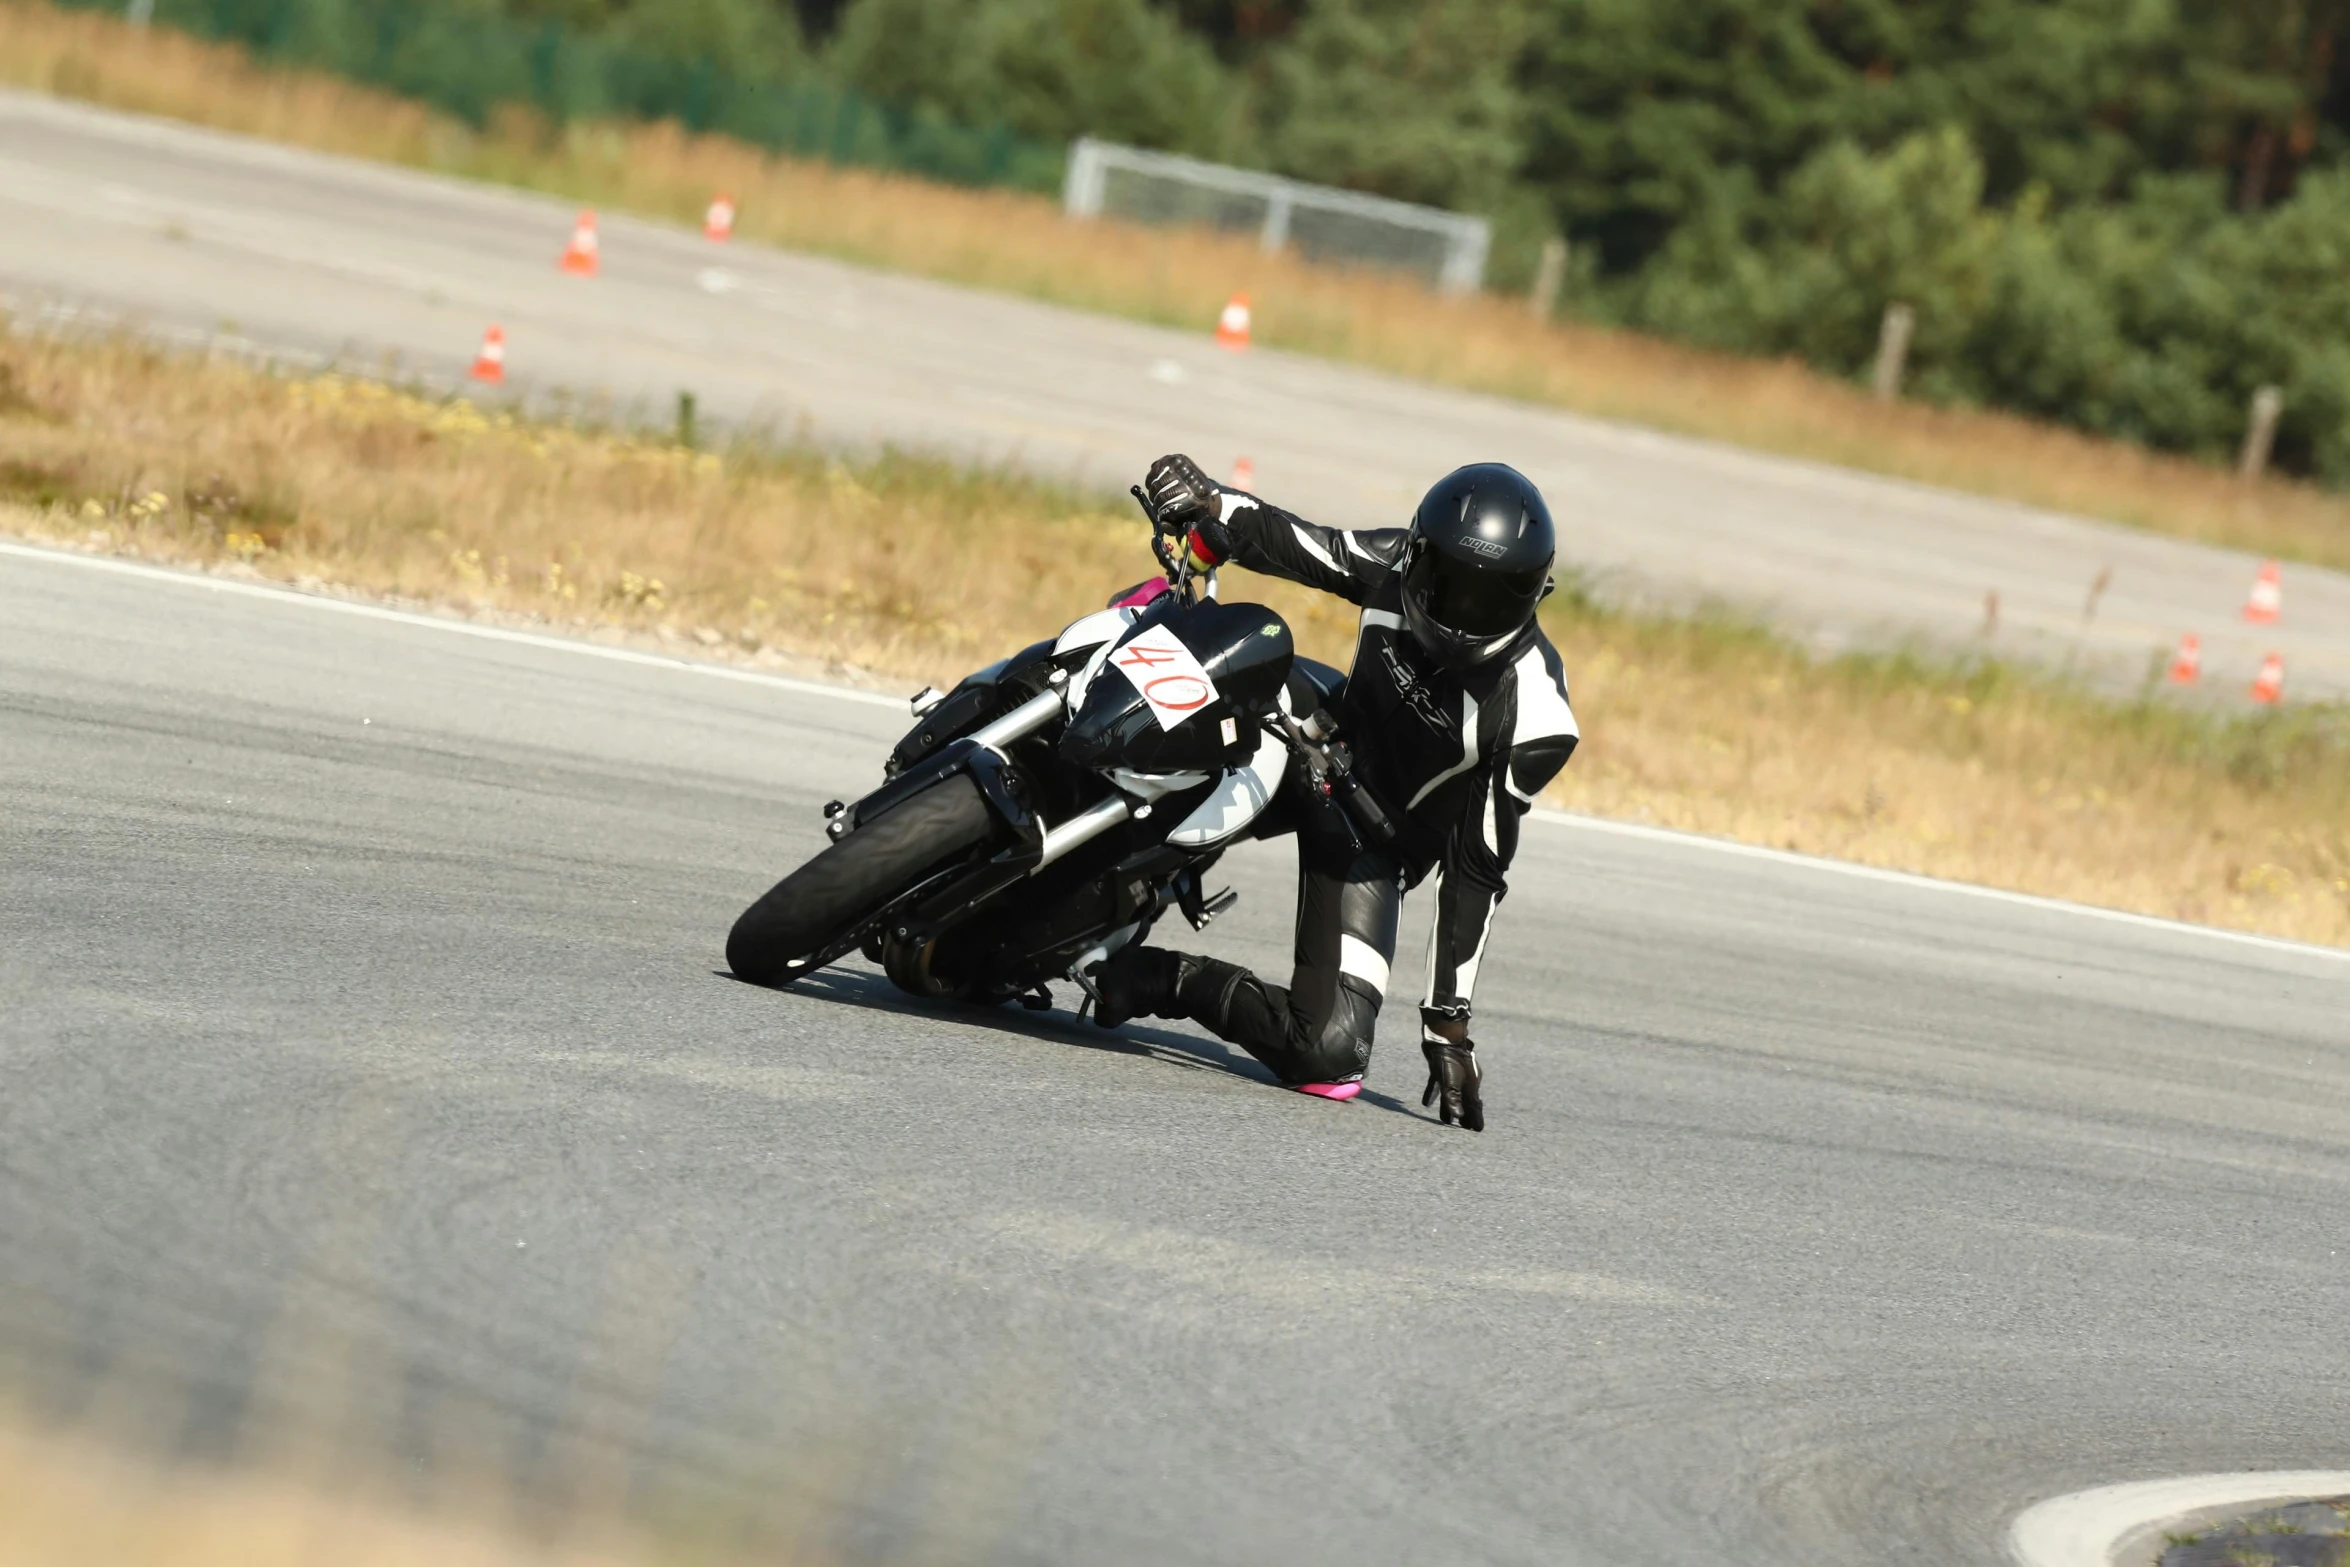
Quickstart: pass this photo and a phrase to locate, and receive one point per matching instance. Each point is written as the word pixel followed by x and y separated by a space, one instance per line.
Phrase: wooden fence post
pixel 1893 349
pixel 2268 405
pixel 1549 274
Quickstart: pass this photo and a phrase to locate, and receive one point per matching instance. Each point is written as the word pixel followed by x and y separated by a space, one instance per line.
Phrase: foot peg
pixel 1201 911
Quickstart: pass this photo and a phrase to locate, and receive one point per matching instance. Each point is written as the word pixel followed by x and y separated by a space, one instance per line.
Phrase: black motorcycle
pixel 1050 808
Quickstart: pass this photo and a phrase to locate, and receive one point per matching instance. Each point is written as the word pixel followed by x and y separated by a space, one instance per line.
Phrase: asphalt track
pixel 360 1007
pixel 194 232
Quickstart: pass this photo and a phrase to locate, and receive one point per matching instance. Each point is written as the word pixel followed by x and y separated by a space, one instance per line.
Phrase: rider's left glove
pixel 1453 1082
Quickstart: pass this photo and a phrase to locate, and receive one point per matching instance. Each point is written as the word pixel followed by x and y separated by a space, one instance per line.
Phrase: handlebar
pixel 1365 807
pixel 1330 776
pixel 1167 543
pixel 1328 761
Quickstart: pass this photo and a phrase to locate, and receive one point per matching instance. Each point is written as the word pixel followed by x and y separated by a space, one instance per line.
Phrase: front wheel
pixel 854 879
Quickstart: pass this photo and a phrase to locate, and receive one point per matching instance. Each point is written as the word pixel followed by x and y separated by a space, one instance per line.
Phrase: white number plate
pixel 1166 674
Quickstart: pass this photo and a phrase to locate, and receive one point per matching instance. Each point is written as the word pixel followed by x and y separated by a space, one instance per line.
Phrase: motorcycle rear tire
pixel 854 878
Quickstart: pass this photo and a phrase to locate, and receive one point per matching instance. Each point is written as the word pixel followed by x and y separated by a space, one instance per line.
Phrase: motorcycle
pixel 1053 806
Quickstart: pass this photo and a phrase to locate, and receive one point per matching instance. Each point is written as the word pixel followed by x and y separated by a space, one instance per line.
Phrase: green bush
pixel 2152 319
pixel 2155 319
pixel 1852 232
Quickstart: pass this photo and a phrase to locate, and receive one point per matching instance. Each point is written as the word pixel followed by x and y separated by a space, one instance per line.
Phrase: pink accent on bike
pixel 1142 595
pixel 1330 1090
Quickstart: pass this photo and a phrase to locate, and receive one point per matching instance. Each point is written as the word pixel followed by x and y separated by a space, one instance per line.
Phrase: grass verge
pixel 1022 244
pixel 67 1502
pixel 1974 770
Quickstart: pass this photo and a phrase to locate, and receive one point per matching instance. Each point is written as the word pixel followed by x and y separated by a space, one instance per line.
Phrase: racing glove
pixel 1179 492
pixel 1453 1079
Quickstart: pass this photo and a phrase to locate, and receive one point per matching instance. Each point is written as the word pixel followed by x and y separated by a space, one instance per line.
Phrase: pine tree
pixel 1049 69
pixel 1415 99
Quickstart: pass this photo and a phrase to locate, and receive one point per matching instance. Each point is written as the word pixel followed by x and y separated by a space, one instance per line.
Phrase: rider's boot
pixel 1139 982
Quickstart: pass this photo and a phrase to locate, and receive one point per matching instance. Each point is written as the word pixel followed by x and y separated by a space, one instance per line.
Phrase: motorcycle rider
pixel 1456 709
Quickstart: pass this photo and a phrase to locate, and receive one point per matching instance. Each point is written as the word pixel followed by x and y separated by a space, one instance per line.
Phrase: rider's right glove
pixel 1179 492
pixel 1453 1079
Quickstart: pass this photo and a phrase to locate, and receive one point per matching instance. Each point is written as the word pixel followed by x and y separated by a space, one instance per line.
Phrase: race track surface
pixel 361 1007
pixel 195 232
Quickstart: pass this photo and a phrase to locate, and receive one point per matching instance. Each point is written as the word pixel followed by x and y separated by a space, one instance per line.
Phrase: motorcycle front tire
pixel 856 877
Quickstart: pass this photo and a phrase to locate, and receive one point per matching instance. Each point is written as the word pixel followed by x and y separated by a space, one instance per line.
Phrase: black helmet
pixel 1477 563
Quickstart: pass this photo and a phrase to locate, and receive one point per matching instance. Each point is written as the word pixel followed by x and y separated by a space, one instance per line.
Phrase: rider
pixel 1457 710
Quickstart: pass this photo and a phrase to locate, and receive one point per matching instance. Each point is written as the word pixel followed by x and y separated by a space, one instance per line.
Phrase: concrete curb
pixel 2095 1528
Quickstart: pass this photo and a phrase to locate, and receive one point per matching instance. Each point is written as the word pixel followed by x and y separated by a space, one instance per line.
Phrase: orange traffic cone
pixel 718 222
pixel 2186 665
pixel 1244 475
pixel 2267 600
pixel 2269 684
pixel 490 364
pixel 579 257
pixel 1232 325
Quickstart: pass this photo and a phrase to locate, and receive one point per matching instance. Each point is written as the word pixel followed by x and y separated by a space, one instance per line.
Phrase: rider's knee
pixel 1340 1047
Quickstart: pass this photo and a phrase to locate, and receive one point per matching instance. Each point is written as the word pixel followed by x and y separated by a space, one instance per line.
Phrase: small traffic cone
pixel 2267 600
pixel 579 257
pixel 718 222
pixel 490 364
pixel 2186 665
pixel 1232 325
pixel 1244 475
pixel 2269 685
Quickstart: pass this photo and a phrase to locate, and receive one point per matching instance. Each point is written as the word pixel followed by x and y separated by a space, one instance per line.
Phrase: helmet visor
pixel 1476 601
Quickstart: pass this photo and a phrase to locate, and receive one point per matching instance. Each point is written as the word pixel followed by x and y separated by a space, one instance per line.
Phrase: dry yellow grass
pixel 923 571
pixel 1022 244
pixel 67 1502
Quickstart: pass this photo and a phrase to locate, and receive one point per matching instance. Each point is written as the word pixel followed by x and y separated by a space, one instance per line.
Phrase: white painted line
pixel 463 628
pixel 1969 889
pixel 2086 1528
pixel 24 320
pixel 1687 840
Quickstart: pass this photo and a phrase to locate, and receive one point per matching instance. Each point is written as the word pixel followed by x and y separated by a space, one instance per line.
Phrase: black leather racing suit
pixel 1456 759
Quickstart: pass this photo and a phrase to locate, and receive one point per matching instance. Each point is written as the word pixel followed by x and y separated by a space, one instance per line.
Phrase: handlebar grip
pixel 1368 811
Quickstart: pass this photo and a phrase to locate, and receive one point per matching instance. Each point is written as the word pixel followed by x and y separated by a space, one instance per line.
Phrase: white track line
pixel 185 578
pixel 2085 1528
pixel 464 628
pixel 1969 889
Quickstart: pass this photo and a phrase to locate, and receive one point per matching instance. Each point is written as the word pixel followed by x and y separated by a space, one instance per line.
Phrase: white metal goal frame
pixel 1325 223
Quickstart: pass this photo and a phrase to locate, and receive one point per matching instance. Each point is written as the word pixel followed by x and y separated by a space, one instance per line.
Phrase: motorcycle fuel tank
pixel 1182 690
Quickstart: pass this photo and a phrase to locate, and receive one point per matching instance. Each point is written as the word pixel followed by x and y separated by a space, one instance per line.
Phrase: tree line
pixel 2121 214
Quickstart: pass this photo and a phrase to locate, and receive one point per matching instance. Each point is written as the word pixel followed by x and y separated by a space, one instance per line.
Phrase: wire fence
pixel 470 63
